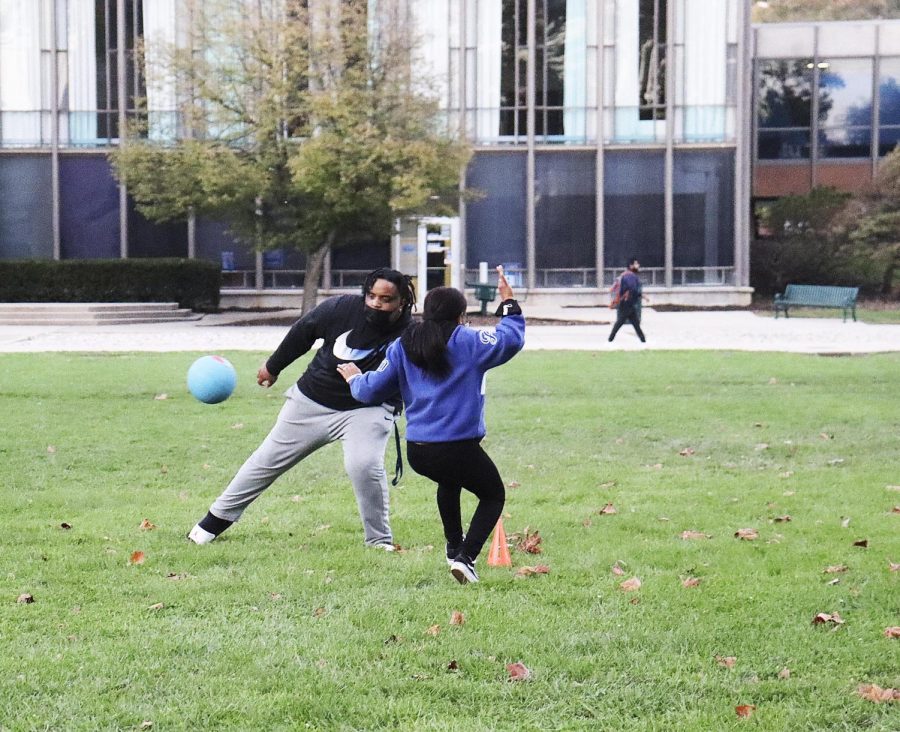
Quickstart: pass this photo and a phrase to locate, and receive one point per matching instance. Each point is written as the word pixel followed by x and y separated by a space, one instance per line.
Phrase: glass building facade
pixel 601 128
pixel 827 104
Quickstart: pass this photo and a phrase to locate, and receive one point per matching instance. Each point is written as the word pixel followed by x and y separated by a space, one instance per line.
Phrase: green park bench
pixel 817 296
pixel 484 292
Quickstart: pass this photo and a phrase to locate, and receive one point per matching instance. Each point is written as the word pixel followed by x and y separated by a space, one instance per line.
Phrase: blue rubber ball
pixel 211 379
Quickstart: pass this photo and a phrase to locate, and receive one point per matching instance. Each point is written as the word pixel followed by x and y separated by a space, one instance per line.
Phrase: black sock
pixel 214 524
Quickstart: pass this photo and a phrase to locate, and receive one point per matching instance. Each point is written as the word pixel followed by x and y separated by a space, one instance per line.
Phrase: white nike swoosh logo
pixel 345 353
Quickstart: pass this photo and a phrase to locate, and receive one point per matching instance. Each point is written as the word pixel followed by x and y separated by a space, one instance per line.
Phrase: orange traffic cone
pixel 498 556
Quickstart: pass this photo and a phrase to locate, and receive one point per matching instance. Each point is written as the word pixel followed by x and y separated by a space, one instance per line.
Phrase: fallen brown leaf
pixel 161 397
pixel 146 724
pixel 453 665
pixel 457 618
pixel 845 522
pixel 65 525
pixel 528 541
pixel 137 558
pixel 892 488
pixel 747 534
pixel 726 661
pixel 630 585
pixel 517 671
pixel 874 693
pixel 894 566
pixel 687 452
pixel 826 436
pixel 617 570
pixel 895 509
pixel 156 606
pixel 892 632
pixel 861 542
pixel 607 484
pixel 607 510
pixel 822 618
pixel 782 519
pixel 531 571
pixel 319 612
pixel 785 673
pixel 694 535
pixel 25 598
pixel 745 710
pixel 690 582
pixel 513 484
pixel 835 569
pixel 147 525
pixel 433 630
pixel 51 449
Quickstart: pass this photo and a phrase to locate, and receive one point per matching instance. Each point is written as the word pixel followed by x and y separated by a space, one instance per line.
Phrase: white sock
pixel 200 536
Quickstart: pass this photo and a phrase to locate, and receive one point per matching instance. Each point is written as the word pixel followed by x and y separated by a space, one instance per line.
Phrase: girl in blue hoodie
pixel 439 367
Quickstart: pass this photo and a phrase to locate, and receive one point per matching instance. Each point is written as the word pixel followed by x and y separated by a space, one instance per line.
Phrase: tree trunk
pixel 314 262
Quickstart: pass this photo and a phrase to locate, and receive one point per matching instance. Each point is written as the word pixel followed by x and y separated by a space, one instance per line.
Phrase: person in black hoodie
pixel 319 408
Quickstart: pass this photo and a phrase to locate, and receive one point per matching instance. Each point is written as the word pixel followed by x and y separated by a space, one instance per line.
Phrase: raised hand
pixel 503 287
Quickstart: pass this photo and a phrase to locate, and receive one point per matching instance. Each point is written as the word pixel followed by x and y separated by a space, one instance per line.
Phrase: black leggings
pixel 627 314
pixel 454 466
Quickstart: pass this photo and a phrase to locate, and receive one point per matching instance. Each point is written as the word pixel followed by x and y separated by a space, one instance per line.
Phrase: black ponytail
pixel 425 343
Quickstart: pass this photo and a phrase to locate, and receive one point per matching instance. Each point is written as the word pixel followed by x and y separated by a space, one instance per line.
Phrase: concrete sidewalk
pixel 704 330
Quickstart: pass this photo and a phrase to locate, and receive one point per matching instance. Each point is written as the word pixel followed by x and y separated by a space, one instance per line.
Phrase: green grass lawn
pixel 287 622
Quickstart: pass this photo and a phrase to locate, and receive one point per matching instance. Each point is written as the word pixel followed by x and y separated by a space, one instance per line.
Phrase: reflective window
pixel 785 93
pixel 845 108
pixel 565 214
pixel 634 209
pixel 889 105
pixel 495 224
pixel 652 59
pixel 704 212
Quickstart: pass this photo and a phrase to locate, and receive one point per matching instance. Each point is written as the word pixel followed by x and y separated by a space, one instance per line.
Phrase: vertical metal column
pixel 121 91
pixel 814 122
pixel 745 111
pixel 460 244
pixel 669 172
pixel 529 175
pixel 598 166
pixel 54 132
pixel 876 100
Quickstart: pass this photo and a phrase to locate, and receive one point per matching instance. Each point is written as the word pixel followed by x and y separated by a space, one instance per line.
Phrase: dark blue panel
pixel 26 207
pixel 89 208
pixel 704 208
pixel 146 239
pixel 565 210
pixel 495 224
pixel 212 238
pixel 634 208
pixel 366 255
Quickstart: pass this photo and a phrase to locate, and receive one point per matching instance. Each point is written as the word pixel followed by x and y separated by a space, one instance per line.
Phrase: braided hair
pixel 425 343
pixel 402 282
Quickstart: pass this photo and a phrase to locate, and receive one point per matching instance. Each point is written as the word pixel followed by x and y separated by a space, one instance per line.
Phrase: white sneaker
pixel 200 536
pixel 384 547
pixel 463 570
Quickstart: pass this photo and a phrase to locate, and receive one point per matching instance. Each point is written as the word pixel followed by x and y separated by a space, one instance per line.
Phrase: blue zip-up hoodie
pixel 444 409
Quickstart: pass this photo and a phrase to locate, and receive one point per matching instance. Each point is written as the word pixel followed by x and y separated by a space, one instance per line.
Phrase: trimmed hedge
pixel 192 283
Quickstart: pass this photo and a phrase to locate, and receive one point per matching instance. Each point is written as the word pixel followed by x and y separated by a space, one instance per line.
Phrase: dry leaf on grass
pixel 531 571
pixel 835 569
pixel 822 618
pixel 528 541
pixel 691 534
pixel 785 673
pixel 845 521
pixel 517 671
pixel 65 525
pixel 745 710
pixel 137 558
pixel 747 534
pixel 433 630
pixel 457 618
pixel 782 519
pixel 893 566
pixel 895 509
pixel 690 582
pixel 687 452
pixel 630 585
pixel 147 525
pixel 513 484
pixel 617 570
pixel 864 543
pixel 607 510
pixel 453 665
pixel 874 693
pixel 25 598
pixel 156 606
pixel 726 661
pixel 892 632
pixel 161 397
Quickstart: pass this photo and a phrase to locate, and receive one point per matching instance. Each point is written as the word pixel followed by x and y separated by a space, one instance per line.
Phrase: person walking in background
pixel 439 367
pixel 319 409
pixel 629 294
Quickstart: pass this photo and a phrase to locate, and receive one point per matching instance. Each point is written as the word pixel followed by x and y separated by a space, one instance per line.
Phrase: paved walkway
pixel 728 330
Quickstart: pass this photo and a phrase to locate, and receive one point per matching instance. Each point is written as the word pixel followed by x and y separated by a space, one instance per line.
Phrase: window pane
pixel 783 144
pixel 495 224
pixel 565 210
pixel 845 92
pixel 888 138
pixel 785 93
pixel 889 91
pixel 704 210
pixel 634 218
pixel 846 142
pixel 652 59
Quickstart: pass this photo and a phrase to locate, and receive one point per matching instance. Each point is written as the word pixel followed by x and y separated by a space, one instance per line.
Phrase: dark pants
pixel 454 466
pixel 628 313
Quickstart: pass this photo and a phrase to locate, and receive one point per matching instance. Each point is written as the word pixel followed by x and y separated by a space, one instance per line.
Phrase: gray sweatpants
pixel 303 426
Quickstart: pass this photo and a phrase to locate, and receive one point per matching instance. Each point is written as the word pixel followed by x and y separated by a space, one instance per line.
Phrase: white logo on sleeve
pixel 487 337
pixel 383 365
pixel 345 353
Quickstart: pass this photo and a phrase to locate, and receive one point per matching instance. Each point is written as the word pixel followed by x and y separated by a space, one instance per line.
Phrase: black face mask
pixel 381 319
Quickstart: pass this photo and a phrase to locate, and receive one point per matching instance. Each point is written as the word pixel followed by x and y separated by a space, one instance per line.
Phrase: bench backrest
pixel 821 294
